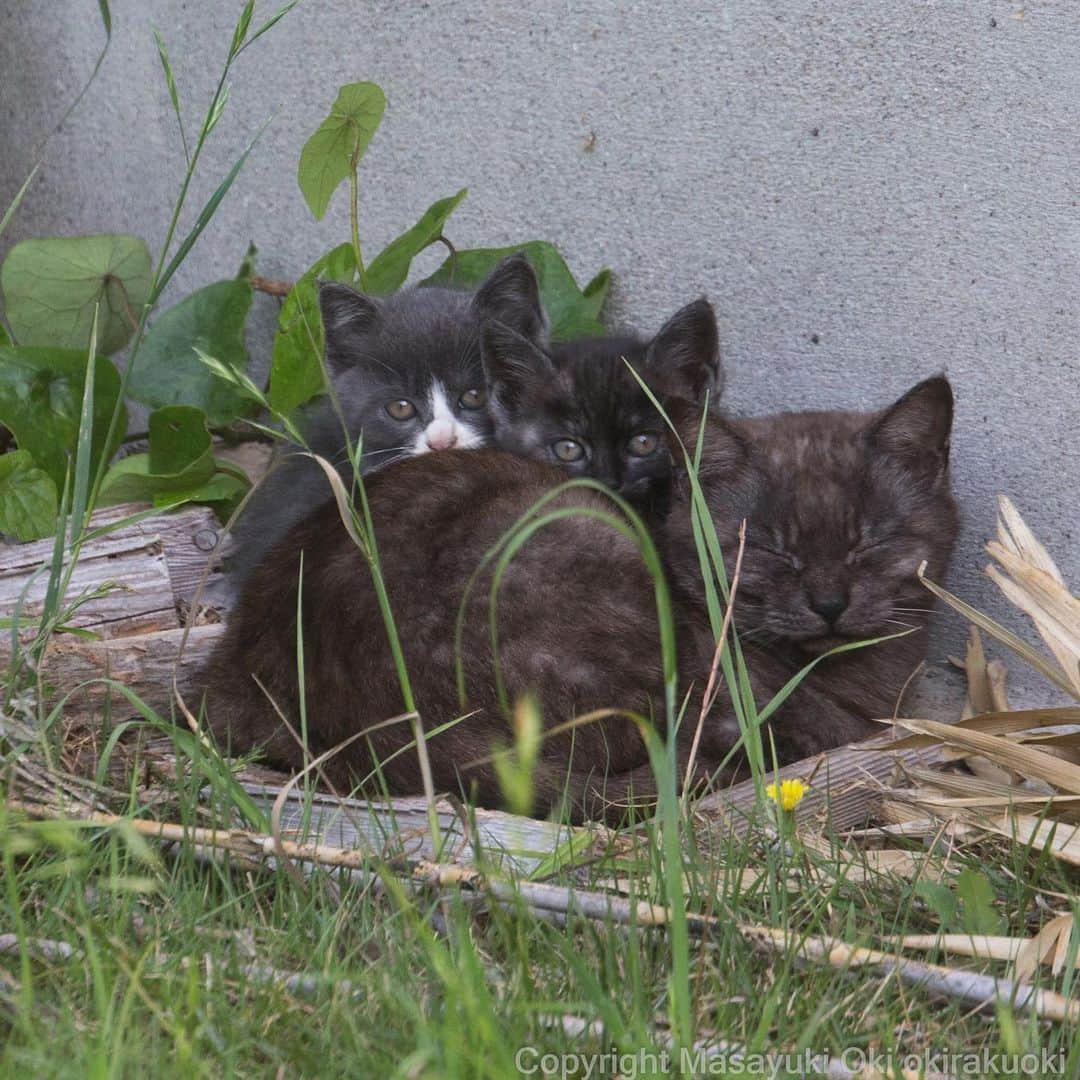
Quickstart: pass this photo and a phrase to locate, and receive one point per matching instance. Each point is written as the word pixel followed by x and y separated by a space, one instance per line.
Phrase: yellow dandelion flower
pixel 788 795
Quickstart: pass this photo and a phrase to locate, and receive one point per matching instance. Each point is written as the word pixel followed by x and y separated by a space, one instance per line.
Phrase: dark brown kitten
pixel 848 506
pixel 576 627
pixel 842 509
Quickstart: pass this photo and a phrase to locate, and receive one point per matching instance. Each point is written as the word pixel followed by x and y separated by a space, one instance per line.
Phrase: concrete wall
pixel 868 192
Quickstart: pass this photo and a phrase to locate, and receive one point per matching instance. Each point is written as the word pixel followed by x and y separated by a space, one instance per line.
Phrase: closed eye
pixel 865 549
pixel 784 556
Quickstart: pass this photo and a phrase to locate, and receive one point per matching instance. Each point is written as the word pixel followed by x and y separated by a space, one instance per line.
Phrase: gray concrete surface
pixel 868 192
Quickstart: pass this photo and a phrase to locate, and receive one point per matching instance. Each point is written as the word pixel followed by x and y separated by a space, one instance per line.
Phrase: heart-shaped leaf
pixel 296 366
pixel 389 269
pixel 339 142
pixel 223 491
pixel 41 394
pixel 167 371
pixel 180 459
pixel 179 440
pixel 27 498
pixel 52 285
pixel 572 312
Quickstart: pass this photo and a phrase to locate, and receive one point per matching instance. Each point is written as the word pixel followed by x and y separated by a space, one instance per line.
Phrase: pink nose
pixel 440 435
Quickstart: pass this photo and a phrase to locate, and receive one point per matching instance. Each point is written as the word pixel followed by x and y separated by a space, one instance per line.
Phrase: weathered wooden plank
pixel 399 826
pixel 846 786
pixel 145 663
pixel 148 572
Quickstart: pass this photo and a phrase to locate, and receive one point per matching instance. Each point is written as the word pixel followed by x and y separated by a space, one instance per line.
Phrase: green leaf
pixel 242 27
pixel 223 491
pixel 179 440
pixel 340 141
pixel 52 285
pixel 5 337
pixel 572 312
pixel 167 371
pixel 180 459
pixel 977 895
pixel 247 264
pixel 27 498
pixel 596 292
pixel 389 269
pixel 941 900
pixel 41 392
pixel 80 493
pixel 270 23
pixel 296 366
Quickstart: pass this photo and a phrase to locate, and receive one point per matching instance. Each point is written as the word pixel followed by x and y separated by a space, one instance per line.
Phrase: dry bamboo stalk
pixel 43 948
pixel 978 991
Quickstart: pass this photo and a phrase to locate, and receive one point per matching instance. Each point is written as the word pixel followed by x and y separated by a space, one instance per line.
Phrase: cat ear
pixel 512 364
pixel 916 429
pixel 684 357
pixel 346 314
pixel 511 295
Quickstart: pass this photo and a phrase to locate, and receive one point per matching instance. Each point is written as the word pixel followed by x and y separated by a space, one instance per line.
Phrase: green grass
pixel 451 985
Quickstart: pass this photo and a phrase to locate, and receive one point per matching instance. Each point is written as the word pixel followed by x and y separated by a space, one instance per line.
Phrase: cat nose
pixel 829 605
pixel 440 435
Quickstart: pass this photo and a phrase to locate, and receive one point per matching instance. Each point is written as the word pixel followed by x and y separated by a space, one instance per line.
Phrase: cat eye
pixel 473 399
pixel 401 410
pixel 861 551
pixel 643 444
pixel 568 449
pixel 783 556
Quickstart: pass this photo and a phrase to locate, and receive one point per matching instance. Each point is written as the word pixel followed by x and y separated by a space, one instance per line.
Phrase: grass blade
pixel 174 95
pixel 85 440
pixel 9 213
pixel 204 217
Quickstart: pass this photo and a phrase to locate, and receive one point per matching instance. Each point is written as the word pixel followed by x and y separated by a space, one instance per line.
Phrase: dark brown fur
pixel 577 612
pixel 848 506
pixel 575 627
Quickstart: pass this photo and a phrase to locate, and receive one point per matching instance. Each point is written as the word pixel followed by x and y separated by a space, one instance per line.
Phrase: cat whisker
pixel 389 450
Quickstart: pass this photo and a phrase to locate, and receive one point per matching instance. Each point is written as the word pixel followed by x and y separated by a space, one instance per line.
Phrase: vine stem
pixel 354 212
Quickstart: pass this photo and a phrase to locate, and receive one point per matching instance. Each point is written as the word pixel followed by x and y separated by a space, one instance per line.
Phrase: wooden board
pixel 146 572
pixel 144 663
pixel 399 827
pixel 845 783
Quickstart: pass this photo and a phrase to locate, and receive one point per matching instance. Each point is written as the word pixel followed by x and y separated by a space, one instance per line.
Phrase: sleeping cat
pixel 407 374
pixel 842 508
pixel 577 406
pixel 848 506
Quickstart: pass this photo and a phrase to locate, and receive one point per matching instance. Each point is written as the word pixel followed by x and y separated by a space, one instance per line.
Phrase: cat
pixel 842 508
pixel 408 378
pixel 578 406
pixel 847 507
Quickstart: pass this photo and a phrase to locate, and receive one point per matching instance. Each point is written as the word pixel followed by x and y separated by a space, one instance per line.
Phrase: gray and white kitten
pixel 408 377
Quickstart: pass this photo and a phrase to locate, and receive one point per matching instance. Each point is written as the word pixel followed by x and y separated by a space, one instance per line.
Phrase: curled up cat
pixel 841 510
